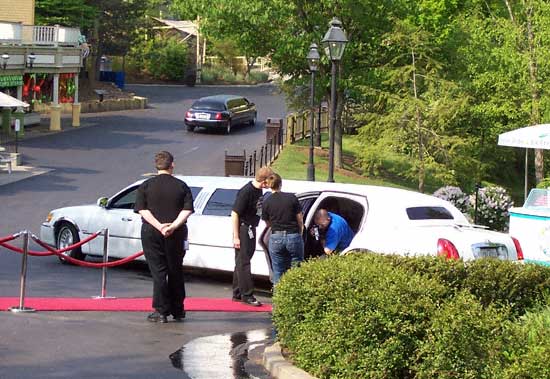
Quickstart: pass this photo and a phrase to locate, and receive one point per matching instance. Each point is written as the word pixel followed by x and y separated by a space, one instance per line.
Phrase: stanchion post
pixel 21 308
pixel 104 268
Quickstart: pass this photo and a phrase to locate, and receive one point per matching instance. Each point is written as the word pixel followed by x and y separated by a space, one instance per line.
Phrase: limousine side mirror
pixel 102 202
pixel 251 104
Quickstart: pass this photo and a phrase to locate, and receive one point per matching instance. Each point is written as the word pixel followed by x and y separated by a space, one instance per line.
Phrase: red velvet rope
pixel 78 262
pixel 49 252
pixel 9 238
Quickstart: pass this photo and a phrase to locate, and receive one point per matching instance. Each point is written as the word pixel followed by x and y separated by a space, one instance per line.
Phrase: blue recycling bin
pixel 117 77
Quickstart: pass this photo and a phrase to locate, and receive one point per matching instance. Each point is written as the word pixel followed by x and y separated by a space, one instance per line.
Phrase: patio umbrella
pixel 529 137
pixel 8 101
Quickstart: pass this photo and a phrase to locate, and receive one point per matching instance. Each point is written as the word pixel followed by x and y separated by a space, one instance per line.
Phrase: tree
pixel 73 13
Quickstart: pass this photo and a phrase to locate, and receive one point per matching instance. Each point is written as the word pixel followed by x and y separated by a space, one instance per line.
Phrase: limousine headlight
pixel 49 217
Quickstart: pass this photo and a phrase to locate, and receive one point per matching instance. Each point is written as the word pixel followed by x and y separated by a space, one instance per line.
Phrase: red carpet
pixel 196 304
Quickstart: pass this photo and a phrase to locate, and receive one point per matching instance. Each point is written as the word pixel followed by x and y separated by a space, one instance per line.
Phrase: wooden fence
pixel 297 124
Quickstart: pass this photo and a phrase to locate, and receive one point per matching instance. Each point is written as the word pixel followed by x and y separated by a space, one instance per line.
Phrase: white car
pixel 385 220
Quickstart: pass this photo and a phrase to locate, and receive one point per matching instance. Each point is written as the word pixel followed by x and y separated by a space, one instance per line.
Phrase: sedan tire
pixel 67 236
pixel 254 119
pixel 228 127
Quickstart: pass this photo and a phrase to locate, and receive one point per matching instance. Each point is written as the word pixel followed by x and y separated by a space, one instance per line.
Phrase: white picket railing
pixel 18 34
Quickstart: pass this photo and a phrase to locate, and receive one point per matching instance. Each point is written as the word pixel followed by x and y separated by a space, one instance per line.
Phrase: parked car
pixel 384 220
pixel 220 112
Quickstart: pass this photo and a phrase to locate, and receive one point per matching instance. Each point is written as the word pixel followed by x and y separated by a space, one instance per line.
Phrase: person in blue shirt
pixel 337 233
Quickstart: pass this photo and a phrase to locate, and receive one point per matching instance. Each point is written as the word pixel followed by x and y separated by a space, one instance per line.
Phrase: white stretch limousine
pixel 385 220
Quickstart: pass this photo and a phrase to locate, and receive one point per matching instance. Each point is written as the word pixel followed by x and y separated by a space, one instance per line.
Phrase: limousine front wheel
pixel 67 236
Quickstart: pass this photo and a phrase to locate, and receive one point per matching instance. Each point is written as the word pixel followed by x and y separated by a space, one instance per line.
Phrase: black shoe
pixel 237 298
pixel 179 318
pixel 157 317
pixel 251 301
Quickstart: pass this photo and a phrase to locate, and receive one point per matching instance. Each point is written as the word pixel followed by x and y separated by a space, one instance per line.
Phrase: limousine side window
pixel 127 199
pixel 221 202
pixel 429 213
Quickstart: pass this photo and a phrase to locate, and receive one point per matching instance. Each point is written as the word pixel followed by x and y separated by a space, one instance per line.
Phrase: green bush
pixel 503 283
pixel 463 340
pixel 355 317
pixel 384 316
pixel 258 76
pixel 528 347
pixel 162 58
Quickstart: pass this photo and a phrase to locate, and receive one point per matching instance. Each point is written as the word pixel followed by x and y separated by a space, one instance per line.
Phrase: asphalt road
pixel 108 152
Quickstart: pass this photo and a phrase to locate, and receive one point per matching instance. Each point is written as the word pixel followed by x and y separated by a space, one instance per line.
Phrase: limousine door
pixel 352 207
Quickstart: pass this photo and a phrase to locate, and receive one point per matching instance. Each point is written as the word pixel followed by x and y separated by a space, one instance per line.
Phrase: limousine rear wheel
pixel 253 121
pixel 228 127
pixel 67 236
pixel 190 128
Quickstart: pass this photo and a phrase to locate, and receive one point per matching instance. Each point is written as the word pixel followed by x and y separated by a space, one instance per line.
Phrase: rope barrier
pixel 78 262
pixel 48 253
pixel 9 238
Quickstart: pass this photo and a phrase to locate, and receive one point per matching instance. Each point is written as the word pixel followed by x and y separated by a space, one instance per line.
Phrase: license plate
pixel 202 116
pixel 488 252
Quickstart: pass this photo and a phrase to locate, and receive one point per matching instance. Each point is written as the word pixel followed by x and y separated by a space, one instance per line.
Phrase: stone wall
pixel 93 106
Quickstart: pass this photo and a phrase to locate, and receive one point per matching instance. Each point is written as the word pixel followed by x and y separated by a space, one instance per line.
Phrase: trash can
pixel 234 164
pixel 274 130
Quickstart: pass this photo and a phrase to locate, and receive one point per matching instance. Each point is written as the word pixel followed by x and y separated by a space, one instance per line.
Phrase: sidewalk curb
pixel 279 367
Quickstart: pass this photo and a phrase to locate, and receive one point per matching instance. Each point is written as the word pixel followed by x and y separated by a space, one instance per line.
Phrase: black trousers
pixel 243 285
pixel 165 258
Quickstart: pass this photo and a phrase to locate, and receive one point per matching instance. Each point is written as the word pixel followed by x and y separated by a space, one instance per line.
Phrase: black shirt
pixel 280 209
pixel 248 204
pixel 165 196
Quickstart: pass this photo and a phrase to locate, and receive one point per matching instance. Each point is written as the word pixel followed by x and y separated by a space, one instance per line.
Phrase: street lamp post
pixel 334 43
pixel 313 61
pixel 30 62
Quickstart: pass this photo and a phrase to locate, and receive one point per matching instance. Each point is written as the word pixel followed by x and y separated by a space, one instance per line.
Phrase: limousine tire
pixel 190 128
pixel 67 236
pixel 228 127
pixel 253 121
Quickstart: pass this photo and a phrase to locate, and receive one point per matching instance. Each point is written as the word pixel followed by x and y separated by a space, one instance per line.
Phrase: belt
pixel 285 232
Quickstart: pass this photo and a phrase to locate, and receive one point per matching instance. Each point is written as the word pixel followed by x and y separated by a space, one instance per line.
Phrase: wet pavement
pixel 224 356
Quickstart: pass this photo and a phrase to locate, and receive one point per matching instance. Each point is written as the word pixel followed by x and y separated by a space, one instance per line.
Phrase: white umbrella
pixel 8 101
pixel 529 137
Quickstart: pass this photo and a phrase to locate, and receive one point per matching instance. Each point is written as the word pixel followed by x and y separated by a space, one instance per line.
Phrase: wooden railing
pixel 297 124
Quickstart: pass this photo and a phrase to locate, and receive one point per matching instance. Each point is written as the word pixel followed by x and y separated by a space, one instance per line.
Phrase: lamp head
pixel 335 40
pixel 313 57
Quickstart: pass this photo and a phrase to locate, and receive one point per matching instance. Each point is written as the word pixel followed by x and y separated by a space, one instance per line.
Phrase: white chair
pixel 6 159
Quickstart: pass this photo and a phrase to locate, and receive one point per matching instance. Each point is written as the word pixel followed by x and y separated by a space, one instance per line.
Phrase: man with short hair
pixel 164 203
pixel 245 217
pixel 338 234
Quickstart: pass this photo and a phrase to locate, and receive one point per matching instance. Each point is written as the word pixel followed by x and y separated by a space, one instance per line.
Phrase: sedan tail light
pixel 519 251
pixel 189 114
pixel 445 248
pixel 218 116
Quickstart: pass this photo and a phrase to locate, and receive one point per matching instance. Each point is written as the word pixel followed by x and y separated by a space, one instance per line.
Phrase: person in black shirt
pixel 164 203
pixel 282 212
pixel 245 218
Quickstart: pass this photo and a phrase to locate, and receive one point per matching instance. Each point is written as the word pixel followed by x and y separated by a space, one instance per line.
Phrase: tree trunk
pixel 338 132
pixel 535 92
pixel 418 117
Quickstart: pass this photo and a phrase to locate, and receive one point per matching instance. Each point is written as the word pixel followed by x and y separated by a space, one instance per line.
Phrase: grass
pixel 293 160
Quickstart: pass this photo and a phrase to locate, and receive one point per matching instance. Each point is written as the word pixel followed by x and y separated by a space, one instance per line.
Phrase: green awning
pixel 11 80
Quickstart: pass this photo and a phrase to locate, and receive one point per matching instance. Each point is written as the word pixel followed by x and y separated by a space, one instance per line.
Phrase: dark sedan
pixel 220 112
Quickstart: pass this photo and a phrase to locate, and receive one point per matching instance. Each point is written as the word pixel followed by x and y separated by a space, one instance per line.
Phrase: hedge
pixel 374 316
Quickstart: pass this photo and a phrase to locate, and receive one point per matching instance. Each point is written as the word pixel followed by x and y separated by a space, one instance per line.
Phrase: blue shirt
pixel 339 234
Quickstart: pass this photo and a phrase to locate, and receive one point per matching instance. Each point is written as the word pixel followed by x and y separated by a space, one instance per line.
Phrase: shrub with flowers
pixel 493 203
pixel 455 195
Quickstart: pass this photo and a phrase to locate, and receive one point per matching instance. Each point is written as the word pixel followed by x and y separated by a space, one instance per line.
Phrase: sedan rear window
pixel 209 105
pixel 429 213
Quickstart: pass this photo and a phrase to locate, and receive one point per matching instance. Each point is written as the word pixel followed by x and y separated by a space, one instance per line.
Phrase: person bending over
pixel 336 231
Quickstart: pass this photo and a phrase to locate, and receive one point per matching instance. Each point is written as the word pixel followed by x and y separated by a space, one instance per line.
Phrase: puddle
pixel 222 356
